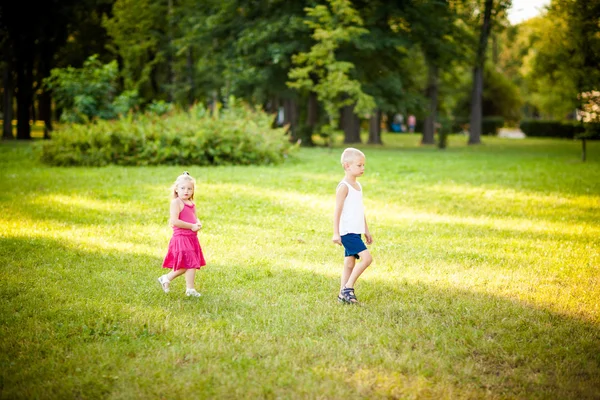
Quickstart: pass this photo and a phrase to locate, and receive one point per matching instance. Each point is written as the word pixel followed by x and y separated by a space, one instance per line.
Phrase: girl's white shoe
pixel 192 292
pixel 164 283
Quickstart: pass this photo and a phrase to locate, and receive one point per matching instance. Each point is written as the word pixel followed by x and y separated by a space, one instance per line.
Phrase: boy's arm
pixel 367 233
pixel 340 196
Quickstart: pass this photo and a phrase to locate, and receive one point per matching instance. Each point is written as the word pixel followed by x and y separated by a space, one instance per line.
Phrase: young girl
pixel 184 255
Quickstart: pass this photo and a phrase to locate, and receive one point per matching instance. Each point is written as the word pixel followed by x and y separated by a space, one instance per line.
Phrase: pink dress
pixel 184 248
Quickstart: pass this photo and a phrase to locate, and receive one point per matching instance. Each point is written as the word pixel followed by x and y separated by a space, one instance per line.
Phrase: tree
pixel 436 27
pixel 36 38
pixel 139 32
pixel 7 86
pixel 320 71
pixel 384 62
pixel 568 31
pixel 489 12
pixel 89 92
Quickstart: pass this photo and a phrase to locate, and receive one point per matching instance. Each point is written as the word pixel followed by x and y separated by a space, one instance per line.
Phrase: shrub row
pixel 489 125
pixel 547 128
pixel 237 136
pixel 560 129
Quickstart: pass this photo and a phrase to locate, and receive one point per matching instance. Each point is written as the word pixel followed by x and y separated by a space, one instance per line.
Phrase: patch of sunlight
pixel 389 211
pixel 78 237
pixel 79 202
pixel 576 298
pixel 550 200
pixel 299 199
pixel 288 198
pixel 394 384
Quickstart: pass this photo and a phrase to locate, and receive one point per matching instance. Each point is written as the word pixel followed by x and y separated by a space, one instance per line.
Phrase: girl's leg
pixel 365 261
pixel 190 276
pixel 347 271
pixel 174 274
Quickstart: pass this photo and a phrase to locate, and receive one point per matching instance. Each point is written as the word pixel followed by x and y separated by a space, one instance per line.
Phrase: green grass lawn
pixel 485 281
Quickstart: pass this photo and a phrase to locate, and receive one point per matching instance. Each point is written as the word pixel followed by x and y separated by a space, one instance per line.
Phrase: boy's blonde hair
pixel 351 154
pixel 185 177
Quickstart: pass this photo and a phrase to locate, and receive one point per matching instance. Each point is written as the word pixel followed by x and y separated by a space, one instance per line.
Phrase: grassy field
pixel 485 282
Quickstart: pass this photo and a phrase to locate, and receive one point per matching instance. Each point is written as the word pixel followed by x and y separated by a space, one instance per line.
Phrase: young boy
pixel 349 223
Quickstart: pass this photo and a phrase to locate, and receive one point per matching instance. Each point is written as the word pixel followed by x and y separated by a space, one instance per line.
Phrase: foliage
pixel 500 96
pixel 320 71
pixel 138 29
pixel 485 282
pixel 549 128
pixel 491 125
pixel 238 136
pixel 159 107
pixel 89 92
pixel 563 57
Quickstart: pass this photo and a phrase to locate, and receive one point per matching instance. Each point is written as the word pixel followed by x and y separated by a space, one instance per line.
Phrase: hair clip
pixel 185 173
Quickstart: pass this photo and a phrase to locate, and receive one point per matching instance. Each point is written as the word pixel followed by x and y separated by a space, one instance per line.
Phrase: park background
pixel 486 275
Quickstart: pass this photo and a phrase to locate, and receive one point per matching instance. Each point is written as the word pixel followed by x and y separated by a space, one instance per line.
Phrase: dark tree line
pixel 186 51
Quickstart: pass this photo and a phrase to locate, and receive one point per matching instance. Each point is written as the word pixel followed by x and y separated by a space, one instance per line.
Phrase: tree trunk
pixel 272 107
pixel 45 99
pixel 191 83
pixel 475 122
pixel 290 114
pixel 476 94
pixel 45 106
pixel 312 113
pixel 307 129
pixel 351 125
pixel 24 88
pixel 170 62
pixel 7 131
pixel 432 95
pixel 375 128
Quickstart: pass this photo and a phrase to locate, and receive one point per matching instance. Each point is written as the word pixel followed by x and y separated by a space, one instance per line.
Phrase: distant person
pixel 184 255
pixel 349 223
pixel 412 122
pixel 398 123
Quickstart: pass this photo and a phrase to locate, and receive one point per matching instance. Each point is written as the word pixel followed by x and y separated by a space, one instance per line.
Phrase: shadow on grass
pixel 78 324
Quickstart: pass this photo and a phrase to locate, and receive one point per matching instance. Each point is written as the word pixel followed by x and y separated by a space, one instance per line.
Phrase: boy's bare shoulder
pixel 342 188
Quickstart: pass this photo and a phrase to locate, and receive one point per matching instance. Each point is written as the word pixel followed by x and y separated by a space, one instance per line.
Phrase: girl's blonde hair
pixel 185 177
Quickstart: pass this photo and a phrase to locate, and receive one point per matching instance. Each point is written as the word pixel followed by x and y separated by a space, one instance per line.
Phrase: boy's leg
pixel 347 271
pixel 190 276
pixel 365 261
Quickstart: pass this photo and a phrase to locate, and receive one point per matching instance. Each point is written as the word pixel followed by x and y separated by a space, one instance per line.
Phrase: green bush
pixel 89 92
pixel 238 136
pixel 547 128
pixel 591 131
pixel 490 125
pixel 459 125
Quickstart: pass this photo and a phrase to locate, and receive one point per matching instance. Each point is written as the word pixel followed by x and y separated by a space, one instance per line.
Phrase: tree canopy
pixel 326 63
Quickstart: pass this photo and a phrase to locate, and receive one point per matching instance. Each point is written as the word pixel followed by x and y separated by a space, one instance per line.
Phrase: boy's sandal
pixel 349 296
pixel 341 298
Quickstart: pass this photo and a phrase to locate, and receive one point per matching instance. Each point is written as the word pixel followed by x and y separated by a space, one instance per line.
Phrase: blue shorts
pixel 353 245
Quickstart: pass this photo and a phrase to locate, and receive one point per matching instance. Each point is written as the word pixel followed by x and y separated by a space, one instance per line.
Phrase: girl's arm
pixel 340 196
pixel 198 223
pixel 176 207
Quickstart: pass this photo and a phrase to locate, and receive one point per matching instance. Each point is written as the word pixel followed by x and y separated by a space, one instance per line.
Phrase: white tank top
pixel 352 219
